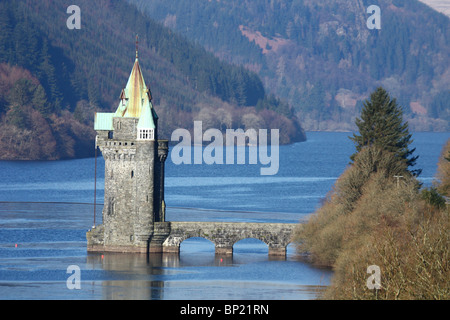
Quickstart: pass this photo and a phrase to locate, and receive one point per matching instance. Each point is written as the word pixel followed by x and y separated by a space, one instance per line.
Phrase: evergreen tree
pixel 40 102
pixel 93 91
pixel 3 104
pixel 240 88
pixel 17 116
pixel 47 75
pixel 6 27
pixel 381 124
pixel 22 92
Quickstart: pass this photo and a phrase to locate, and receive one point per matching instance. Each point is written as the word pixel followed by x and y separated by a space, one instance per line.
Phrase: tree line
pixel 327 47
pixel 73 73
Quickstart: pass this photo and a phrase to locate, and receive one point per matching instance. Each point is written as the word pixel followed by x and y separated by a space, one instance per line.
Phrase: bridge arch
pixel 250 245
pixel 186 243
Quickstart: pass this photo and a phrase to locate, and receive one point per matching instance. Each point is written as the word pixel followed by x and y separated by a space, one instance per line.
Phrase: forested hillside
pixel 53 79
pixel 321 57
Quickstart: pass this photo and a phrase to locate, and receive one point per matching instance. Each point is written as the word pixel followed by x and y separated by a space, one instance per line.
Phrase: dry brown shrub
pixel 443 173
pixel 323 234
pixel 371 219
pixel 413 260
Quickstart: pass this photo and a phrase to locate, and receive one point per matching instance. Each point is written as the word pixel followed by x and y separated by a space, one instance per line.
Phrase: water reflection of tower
pixel 133 276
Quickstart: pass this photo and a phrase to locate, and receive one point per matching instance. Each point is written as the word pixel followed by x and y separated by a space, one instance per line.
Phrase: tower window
pixel 146 134
pixel 112 206
pixel 132 173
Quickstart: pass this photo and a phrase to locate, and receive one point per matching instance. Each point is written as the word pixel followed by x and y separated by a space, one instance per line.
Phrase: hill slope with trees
pixel 53 79
pixel 321 57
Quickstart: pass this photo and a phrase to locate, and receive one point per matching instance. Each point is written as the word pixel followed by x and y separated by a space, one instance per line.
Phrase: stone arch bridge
pixel 168 236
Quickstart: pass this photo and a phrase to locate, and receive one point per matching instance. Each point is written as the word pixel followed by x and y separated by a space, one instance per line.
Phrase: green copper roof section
pixel 103 121
pixel 135 102
pixel 135 92
pixel 121 109
pixel 146 119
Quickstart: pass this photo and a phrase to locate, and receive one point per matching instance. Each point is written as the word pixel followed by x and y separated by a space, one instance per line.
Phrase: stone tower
pixel 134 208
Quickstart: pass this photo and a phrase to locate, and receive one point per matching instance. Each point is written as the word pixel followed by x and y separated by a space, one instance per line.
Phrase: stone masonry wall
pixel 129 186
pixel 168 236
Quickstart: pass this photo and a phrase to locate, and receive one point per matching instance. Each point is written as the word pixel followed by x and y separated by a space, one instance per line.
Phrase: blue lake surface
pixel 46 207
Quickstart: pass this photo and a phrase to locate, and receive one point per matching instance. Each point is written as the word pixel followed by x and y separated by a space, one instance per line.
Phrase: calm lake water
pixel 46 208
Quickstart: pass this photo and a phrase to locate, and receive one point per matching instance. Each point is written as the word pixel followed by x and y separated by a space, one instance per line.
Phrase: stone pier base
pixel 224 250
pixel 277 251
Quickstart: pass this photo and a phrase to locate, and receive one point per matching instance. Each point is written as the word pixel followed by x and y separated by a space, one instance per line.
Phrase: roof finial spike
pixel 137 42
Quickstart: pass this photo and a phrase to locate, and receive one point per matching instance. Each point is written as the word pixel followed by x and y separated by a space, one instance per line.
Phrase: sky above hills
pixel 439 5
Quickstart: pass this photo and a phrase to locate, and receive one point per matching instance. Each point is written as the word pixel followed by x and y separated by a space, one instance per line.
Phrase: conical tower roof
pixel 136 92
pixel 135 102
pixel 136 98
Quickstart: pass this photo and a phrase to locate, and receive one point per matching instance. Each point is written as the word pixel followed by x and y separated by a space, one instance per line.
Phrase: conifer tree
pixel 40 102
pixel 22 92
pixel 47 75
pixel 381 124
